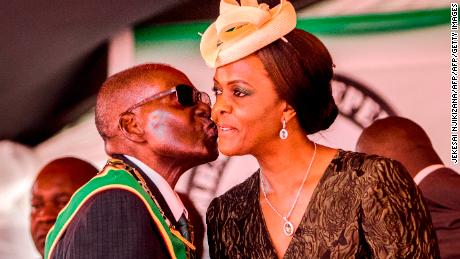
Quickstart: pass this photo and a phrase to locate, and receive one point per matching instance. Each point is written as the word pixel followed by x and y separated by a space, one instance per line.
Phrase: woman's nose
pixel 221 107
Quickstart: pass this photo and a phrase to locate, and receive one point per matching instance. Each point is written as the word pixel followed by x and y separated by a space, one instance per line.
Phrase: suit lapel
pixel 153 188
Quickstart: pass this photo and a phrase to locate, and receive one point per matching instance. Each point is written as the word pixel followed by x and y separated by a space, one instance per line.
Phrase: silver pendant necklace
pixel 288 227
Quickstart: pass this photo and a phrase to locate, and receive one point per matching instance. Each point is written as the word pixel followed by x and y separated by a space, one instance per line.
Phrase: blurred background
pixel 391 57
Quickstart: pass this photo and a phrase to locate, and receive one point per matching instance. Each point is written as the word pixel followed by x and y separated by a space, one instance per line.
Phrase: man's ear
pixel 130 128
pixel 288 112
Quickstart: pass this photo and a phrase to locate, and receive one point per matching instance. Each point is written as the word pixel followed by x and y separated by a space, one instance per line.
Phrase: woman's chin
pixel 230 149
pixel 227 152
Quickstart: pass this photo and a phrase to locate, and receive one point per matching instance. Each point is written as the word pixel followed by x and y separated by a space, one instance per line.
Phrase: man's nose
pixel 203 110
pixel 48 213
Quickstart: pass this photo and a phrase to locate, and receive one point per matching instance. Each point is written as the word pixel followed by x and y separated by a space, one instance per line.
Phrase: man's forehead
pixel 166 79
pixel 65 170
pixel 149 86
pixel 54 174
pixel 132 86
pixel 52 193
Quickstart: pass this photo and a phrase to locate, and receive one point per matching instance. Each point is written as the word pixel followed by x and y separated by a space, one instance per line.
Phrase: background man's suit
pixel 441 190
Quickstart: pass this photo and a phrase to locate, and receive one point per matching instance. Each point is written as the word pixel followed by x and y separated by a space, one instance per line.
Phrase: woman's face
pixel 247 110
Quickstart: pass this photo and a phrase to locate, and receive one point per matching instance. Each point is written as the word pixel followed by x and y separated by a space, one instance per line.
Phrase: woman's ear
pixel 288 112
pixel 130 128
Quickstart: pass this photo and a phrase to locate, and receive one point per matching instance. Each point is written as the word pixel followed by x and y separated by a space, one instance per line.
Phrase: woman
pixel 273 87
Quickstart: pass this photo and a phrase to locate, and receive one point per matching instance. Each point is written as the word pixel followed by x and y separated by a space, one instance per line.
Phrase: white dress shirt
pixel 425 172
pixel 172 199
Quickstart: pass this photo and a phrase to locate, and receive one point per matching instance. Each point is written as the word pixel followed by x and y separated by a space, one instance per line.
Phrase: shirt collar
pixel 425 172
pixel 172 199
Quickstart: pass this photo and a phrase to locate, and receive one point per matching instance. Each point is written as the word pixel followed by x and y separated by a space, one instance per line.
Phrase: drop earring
pixel 283 132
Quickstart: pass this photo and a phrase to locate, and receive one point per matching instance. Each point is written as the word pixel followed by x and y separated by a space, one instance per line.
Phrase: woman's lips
pixel 226 129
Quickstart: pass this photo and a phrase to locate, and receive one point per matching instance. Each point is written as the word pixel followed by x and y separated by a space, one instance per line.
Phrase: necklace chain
pixel 286 218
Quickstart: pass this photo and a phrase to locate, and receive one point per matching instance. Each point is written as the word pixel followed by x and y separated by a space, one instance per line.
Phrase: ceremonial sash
pixel 113 178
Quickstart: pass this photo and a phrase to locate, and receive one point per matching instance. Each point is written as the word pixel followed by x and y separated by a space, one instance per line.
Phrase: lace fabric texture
pixel 363 207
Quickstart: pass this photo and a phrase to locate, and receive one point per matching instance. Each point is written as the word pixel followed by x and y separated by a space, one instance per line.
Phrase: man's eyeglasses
pixel 186 96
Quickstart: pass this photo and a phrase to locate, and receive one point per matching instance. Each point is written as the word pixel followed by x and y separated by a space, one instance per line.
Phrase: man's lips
pixel 41 236
pixel 211 129
pixel 43 230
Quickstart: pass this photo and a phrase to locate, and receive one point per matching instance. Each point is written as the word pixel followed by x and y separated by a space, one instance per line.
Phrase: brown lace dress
pixel 363 207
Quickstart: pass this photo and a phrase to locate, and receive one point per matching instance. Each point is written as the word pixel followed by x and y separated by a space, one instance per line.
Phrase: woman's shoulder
pixel 364 164
pixel 367 170
pixel 238 197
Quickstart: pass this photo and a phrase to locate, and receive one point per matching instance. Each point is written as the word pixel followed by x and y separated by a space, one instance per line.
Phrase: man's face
pixel 50 193
pixel 174 130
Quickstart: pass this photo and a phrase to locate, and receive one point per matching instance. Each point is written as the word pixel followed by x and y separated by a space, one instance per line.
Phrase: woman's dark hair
pixel 301 70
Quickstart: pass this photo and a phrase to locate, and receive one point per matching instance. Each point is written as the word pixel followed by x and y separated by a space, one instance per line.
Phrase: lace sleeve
pixel 395 219
pixel 216 248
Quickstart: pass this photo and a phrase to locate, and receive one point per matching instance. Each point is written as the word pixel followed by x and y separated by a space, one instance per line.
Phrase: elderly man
pixel 155 126
pixel 403 140
pixel 51 191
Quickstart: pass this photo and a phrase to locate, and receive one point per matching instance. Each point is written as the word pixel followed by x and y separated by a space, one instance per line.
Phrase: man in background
pixel 403 140
pixel 52 189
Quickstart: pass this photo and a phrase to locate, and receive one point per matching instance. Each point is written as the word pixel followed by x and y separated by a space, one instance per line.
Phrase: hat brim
pixel 246 39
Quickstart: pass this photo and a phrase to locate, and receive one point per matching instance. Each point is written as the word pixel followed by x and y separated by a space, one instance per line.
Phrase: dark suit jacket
pixel 441 190
pixel 114 224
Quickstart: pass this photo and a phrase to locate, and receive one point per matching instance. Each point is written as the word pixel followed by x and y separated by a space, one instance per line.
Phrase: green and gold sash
pixel 113 177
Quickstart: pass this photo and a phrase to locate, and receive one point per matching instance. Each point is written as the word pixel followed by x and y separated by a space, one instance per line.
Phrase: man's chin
pixel 214 155
pixel 211 147
pixel 213 151
pixel 210 154
pixel 40 245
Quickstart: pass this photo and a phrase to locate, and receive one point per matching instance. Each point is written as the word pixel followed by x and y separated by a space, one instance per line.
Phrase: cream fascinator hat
pixel 241 30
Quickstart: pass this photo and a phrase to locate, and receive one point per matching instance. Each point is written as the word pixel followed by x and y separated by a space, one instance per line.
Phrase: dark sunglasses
pixel 186 95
